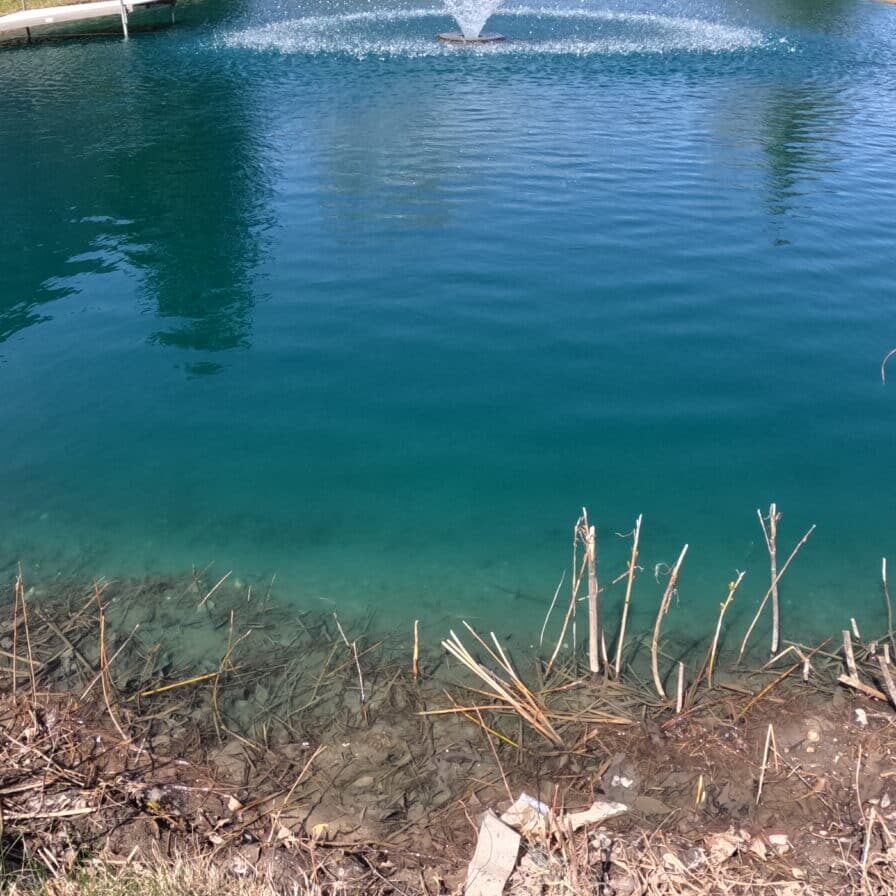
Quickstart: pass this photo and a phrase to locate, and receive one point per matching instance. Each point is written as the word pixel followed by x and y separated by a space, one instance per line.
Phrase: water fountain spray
pixel 471 16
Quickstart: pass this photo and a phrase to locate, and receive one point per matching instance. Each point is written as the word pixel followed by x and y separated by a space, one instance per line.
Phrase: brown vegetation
pixel 194 727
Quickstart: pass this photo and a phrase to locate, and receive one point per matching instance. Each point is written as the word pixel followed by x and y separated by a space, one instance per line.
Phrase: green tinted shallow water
pixel 294 290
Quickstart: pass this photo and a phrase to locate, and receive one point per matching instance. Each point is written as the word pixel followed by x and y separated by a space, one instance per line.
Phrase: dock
pixel 26 20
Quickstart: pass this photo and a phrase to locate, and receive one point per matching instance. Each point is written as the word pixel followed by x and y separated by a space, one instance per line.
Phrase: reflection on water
pixel 829 16
pixel 179 207
pixel 798 129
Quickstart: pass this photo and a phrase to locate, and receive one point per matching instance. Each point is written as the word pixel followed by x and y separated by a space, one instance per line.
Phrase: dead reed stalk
pixel 573 600
pixel 630 578
pixel 890 632
pixel 723 608
pixel 507 688
pixel 770 533
pixel 663 609
pixel 415 659
pixel 588 536
pixel 20 600
pixel 353 649
pixel 764 601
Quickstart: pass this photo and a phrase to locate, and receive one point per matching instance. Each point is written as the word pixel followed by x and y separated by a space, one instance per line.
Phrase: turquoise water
pixel 292 289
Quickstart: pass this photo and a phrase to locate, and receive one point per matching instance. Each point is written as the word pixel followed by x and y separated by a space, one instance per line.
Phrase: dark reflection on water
pixel 829 16
pixel 798 130
pixel 159 175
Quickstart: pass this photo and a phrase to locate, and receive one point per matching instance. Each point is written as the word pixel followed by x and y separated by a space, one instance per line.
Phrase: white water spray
pixel 471 15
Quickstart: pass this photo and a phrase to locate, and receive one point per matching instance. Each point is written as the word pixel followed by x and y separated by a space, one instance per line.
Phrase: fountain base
pixel 456 37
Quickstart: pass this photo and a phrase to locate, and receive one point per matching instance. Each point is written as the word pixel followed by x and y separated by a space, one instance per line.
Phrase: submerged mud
pixel 153 717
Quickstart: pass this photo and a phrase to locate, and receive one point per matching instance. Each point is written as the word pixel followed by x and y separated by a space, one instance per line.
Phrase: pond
pixel 297 291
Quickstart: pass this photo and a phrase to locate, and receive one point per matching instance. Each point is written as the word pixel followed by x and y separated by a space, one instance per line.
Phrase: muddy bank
pixel 154 718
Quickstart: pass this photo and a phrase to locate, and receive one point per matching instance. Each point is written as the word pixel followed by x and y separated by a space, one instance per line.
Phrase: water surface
pixel 292 289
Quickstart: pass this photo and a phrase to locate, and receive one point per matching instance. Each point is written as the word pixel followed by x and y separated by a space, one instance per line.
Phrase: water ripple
pixel 587 32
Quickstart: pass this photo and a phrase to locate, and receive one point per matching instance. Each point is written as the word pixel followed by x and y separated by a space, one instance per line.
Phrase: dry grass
pixel 182 876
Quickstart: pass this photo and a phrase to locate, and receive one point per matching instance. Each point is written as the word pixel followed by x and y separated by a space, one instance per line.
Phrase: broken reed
pixel 506 686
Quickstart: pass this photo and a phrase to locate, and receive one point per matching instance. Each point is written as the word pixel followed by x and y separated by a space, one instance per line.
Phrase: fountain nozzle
pixel 458 37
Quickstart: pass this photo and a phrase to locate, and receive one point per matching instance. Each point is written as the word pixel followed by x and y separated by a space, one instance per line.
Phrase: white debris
pixel 493 862
pixel 722 846
pixel 527 814
pixel 600 811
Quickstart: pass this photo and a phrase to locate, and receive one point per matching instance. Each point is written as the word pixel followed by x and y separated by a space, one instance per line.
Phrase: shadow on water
pixel 187 246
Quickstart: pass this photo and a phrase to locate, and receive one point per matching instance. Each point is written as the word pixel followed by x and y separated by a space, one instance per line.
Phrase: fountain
pixel 471 16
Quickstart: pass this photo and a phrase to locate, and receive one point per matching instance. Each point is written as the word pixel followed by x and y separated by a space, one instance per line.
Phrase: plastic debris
pixel 599 811
pixel 497 849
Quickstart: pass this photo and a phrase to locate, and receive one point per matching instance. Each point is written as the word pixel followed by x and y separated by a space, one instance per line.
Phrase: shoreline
pixel 255 751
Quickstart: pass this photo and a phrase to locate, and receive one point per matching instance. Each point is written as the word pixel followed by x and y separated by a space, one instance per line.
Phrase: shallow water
pixel 295 290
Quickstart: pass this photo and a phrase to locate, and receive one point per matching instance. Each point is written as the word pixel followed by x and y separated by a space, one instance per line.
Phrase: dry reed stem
pixel 849 656
pixel 570 612
pixel 105 678
pixel 890 632
pixel 888 680
pixel 219 583
pixel 115 656
pixel 353 648
pixel 551 610
pixel 630 577
pixel 196 679
pixel 588 535
pixel 491 745
pixel 663 609
pixel 866 689
pixel 723 608
pixel 769 740
pixel 768 593
pixel 770 533
pixel 515 695
pixel 20 598
pixel 764 691
pixel 679 696
pixel 415 658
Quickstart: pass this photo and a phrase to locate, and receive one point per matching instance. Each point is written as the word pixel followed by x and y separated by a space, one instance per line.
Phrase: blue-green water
pixel 292 289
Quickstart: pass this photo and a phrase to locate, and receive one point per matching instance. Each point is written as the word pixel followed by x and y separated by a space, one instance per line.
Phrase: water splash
pixel 548 31
pixel 471 15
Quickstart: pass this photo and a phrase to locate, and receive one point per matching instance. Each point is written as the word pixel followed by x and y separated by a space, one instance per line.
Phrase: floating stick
pixel 664 608
pixel 883 364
